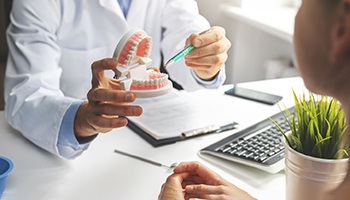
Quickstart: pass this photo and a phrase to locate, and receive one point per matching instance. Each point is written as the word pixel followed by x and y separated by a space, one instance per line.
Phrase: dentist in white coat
pixel 58 87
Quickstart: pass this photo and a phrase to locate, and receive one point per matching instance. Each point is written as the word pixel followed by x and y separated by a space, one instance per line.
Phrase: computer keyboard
pixel 259 145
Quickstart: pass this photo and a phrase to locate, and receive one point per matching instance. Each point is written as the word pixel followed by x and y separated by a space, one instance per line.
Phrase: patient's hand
pixel 200 182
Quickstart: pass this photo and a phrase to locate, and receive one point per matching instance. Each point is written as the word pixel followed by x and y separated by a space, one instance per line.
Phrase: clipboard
pixel 183 136
pixel 150 139
pixel 179 116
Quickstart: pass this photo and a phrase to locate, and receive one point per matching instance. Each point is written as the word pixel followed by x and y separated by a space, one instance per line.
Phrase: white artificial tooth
pixel 156 81
pixel 152 82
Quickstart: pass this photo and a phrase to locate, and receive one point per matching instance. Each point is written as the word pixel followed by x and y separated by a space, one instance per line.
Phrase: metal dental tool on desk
pixel 146 160
pixel 182 53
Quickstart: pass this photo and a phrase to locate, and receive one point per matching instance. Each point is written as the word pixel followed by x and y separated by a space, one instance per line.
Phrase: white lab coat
pixel 54 42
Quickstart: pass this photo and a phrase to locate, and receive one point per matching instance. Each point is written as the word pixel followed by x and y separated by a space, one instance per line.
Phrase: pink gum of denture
pixel 142 42
pixel 154 75
pixel 135 86
pixel 141 50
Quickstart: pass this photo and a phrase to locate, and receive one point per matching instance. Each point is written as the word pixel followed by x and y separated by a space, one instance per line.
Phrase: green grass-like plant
pixel 317 127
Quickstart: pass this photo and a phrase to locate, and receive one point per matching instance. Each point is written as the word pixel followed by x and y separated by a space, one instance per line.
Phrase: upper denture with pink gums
pixel 138 44
pixel 132 54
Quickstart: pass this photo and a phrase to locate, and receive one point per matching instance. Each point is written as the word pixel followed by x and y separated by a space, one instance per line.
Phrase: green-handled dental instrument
pixel 182 53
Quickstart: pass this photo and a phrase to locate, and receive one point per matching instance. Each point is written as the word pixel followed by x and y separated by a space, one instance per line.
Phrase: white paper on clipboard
pixel 179 111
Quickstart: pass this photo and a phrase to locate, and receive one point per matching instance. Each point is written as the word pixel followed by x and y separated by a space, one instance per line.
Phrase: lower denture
pixel 152 76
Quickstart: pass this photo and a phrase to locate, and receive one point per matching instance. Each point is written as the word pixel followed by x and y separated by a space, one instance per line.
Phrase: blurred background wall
pixel 261 36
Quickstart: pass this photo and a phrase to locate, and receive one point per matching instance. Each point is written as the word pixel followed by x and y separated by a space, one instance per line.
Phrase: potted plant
pixel 316 148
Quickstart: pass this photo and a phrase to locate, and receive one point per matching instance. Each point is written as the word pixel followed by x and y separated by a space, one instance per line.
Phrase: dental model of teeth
pixel 132 53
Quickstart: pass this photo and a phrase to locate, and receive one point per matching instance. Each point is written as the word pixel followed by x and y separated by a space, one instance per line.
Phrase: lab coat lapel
pixel 137 13
pixel 114 7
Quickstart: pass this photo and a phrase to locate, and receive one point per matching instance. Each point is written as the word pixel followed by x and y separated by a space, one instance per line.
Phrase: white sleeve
pixel 34 103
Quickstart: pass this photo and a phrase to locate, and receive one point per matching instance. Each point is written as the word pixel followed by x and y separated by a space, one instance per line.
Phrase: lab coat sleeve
pixel 213 84
pixel 68 145
pixel 177 28
pixel 35 105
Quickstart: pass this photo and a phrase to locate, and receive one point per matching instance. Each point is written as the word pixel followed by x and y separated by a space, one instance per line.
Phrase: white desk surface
pixel 102 174
pixel 278 21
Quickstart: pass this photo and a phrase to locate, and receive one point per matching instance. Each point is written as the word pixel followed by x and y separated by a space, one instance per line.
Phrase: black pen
pixel 208 130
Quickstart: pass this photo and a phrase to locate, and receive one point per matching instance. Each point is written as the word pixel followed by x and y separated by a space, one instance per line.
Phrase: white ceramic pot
pixel 309 177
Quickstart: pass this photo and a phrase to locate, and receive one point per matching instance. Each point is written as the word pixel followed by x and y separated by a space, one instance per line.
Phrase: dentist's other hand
pixel 210 52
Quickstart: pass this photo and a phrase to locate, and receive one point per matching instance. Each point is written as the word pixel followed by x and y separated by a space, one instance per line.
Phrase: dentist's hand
pixel 210 52
pixel 107 104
